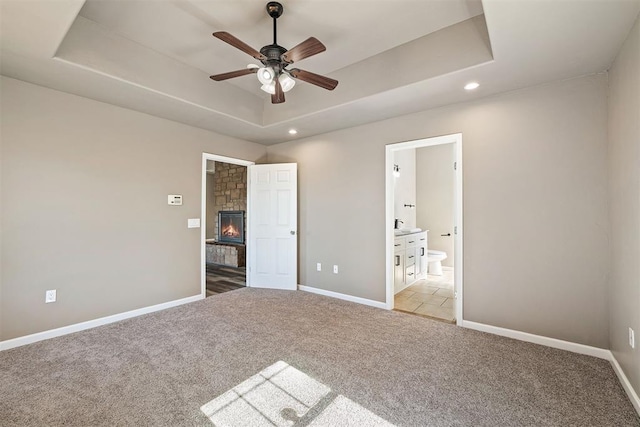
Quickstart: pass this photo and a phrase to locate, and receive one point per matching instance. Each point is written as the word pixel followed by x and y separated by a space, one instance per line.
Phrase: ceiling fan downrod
pixel 275 9
pixel 274 52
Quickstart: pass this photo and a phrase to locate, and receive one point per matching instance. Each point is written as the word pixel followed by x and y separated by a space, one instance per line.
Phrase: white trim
pixel 390 236
pixel 457 239
pixel 345 297
pixel 455 139
pixel 600 353
pixel 626 384
pixel 52 333
pixel 203 214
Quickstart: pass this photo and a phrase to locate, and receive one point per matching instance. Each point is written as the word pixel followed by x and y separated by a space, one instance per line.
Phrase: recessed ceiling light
pixel 292 131
pixel 471 86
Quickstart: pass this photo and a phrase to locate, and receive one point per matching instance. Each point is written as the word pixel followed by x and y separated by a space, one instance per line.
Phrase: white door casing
pixel 455 139
pixel 203 232
pixel 273 226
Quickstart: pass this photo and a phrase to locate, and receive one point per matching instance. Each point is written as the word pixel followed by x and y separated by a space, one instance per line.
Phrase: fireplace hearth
pixel 231 227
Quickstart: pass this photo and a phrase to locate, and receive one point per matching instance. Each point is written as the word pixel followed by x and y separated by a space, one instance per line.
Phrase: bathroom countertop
pixel 399 233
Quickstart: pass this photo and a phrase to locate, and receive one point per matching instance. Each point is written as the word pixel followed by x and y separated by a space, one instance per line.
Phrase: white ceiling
pixel 391 57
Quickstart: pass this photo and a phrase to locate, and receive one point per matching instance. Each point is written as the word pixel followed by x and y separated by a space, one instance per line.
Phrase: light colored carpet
pixel 366 364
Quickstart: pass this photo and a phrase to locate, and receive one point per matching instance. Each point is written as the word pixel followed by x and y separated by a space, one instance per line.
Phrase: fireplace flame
pixel 230 231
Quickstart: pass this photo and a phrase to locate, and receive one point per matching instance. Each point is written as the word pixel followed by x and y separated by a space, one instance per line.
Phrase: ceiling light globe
pixel 471 86
pixel 269 88
pixel 286 82
pixel 266 75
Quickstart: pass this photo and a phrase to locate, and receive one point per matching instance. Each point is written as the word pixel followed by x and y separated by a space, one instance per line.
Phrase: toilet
pixel 435 258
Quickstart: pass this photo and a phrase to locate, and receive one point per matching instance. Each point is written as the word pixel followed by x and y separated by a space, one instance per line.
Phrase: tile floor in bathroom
pixel 432 297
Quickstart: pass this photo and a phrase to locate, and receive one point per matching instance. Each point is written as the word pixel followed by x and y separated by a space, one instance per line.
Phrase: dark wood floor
pixel 222 279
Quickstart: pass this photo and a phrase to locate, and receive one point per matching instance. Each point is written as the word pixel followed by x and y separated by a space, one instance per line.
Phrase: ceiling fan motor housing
pixel 273 52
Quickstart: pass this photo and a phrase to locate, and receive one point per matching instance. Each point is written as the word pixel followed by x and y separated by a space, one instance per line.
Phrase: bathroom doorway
pixel 424 227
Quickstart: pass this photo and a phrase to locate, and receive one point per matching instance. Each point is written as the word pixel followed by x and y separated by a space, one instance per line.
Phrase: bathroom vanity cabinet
pixel 409 260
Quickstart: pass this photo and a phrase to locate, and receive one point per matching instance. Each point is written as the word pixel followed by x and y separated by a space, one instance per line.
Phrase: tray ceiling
pixel 391 57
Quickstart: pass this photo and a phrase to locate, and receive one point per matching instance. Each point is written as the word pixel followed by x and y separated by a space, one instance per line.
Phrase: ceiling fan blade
pixel 278 97
pixel 232 74
pixel 309 47
pixel 314 79
pixel 238 44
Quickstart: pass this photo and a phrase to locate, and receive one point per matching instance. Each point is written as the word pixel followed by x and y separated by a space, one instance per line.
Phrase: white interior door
pixel 273 226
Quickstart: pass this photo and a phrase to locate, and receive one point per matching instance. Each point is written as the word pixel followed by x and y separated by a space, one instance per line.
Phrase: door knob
pixel 292 232
pixel 446 235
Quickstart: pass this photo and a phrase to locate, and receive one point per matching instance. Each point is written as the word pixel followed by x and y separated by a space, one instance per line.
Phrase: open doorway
pixel 224 209
pixel 424 227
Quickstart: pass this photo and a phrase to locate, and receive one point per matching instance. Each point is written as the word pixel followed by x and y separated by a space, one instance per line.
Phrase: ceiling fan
pixel 276 79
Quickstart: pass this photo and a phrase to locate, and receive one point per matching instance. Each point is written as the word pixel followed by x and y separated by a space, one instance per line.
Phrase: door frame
pixel 390 149
pixel 203 215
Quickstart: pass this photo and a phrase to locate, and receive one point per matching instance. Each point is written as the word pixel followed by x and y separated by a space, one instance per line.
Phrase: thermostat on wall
pixel 174 199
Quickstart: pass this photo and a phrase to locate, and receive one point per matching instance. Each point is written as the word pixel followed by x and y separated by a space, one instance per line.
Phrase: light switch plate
pixel 193 223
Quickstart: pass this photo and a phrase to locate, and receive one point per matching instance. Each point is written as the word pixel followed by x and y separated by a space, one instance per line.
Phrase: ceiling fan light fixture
pixel 266 75
pixel 269 88
pixel 275 59
pixel 286 82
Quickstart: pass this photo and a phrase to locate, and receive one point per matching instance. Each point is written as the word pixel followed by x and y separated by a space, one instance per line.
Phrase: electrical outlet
pixel 50 296
pixel 335 269
pixel 319 267
pixel 632 338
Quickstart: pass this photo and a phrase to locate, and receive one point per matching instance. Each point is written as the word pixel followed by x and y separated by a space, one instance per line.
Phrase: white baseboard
pixel 345 297
pixel 600 353
pixel 52 333
pixel 539 339
pixel 510 333
pixel 626 384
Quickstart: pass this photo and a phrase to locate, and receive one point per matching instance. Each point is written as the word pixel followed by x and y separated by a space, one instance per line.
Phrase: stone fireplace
pixel 229 185
pixel 226 214
pixel 231 227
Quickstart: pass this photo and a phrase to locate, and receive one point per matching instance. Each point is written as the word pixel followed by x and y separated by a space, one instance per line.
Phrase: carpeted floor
pixel 370 364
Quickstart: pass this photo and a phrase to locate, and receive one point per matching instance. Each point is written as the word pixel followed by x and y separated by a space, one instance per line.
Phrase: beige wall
pixel 1 211
pixel 535 206
pixel 405 187
pixel 84 207
pixel 435 196
pixel 624 204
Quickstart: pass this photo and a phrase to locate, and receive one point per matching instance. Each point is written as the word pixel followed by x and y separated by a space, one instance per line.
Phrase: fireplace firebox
pixel 231 227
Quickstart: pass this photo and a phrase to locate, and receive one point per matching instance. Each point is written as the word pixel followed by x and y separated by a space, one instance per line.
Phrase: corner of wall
pixel 623 152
